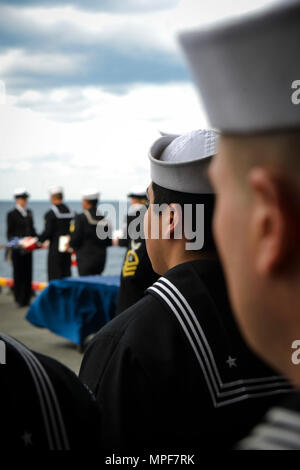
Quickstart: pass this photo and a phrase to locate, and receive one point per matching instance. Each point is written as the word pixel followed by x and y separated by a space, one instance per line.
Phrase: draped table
pixel 74 308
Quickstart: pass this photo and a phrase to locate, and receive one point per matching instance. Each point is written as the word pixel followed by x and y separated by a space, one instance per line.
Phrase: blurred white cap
pixel 137 191
pixel 90 194
pixel 21 192
pixel 56 190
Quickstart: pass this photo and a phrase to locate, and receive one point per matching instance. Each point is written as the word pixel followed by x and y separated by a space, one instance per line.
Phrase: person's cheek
pixel 147 230
pixel 146 223
pixel 218 227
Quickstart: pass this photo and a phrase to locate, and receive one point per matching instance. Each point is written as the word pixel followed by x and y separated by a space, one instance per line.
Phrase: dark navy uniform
pixel 43 404
pixel 20 224
pixel 280 429
pixel 57 223
pixel 90 249
pixel 174 371
pixel 137 273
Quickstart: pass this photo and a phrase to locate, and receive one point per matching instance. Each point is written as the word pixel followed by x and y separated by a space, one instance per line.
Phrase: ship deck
pixel 13 323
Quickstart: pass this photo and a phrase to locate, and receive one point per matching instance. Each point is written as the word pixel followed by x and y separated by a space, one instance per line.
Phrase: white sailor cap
pixel 90 194
pixel 56 190
pixel 21 192
pixel 248 71
pixel 180 162
pixel 138 192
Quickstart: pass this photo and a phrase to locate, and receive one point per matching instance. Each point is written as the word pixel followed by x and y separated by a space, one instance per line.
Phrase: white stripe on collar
pixel 22 211
pixel 53 420
pixel 221 393
pixel 279 431
pixel 62 215
pixel 93 221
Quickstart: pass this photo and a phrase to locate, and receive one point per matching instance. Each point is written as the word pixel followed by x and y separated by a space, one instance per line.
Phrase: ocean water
pixel 115 255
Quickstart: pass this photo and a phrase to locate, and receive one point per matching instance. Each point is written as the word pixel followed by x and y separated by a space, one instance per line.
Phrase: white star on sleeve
pixel 27 439
pixel 231 361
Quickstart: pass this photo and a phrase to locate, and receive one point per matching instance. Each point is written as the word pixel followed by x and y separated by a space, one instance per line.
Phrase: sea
pixel 115 255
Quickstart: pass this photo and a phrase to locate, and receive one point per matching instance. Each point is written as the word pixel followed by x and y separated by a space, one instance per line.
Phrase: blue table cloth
pixel 75 307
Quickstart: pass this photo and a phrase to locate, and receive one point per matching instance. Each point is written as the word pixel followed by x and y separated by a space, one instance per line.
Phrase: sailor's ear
pixel 272 233
pixel 175 218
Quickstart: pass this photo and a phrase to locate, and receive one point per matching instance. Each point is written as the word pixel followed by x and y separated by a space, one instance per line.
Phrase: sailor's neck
pixel 21 209
pixel 190 256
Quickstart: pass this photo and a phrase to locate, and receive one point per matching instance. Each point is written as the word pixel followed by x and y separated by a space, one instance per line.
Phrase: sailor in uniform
pixel 90 249
pixel 172 371
pixel 57 225
pixel 43 404
pixel 137 273
pixel 20 224
pixel 253 100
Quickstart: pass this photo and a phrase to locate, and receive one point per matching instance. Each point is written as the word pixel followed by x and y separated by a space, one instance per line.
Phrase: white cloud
pixel 154 103
pixel 68 45
pixel 192 13
pixel 17 60
pixel 87 136
pixel 75 26
pixel 157 28
pixel 109 150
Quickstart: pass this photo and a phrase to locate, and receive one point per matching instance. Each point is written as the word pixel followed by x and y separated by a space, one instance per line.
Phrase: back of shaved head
pixel 280 153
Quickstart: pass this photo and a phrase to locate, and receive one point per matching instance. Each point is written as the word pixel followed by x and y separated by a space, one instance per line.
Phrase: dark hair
pixel 93 202
pixel 168 196
pixel 142 200
pixel 58 195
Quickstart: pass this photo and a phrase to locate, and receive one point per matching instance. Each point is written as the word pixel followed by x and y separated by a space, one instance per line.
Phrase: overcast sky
pixel 89 84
